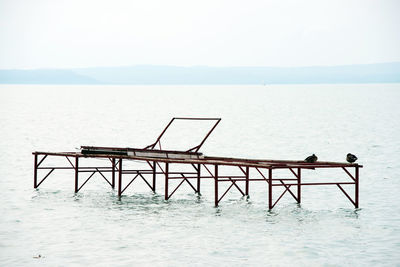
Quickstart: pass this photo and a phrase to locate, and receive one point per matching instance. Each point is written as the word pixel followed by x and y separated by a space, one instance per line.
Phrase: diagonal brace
pixel 347 195
pixel 287 188
pixel 47 175
pixel 129 183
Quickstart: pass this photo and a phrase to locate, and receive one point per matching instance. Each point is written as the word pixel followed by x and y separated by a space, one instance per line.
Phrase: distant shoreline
pixel 199 75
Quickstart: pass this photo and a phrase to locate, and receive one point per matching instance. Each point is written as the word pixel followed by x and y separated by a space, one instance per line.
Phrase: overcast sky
pixel 78 33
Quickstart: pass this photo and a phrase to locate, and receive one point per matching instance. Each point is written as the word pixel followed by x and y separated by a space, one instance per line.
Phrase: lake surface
pixel 279 121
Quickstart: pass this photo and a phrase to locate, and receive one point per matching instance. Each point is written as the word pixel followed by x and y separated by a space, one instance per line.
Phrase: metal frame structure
pixel 159 162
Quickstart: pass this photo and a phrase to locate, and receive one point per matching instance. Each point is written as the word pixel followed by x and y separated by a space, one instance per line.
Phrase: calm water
pixel 283 122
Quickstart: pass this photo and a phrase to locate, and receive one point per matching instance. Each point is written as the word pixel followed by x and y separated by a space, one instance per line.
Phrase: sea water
pixel 94 227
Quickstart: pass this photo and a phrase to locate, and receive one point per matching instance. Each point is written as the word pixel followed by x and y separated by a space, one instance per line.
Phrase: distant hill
pixel 148 74
pixel 42 76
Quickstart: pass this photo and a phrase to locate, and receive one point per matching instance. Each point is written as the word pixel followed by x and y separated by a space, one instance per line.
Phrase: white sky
pixel 78 33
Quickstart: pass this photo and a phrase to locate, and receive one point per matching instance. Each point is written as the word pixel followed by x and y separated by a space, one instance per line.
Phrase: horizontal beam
pixel 315 184
pixel 214 161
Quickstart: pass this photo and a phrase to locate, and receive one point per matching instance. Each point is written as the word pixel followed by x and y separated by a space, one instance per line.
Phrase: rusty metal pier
pixel 159 163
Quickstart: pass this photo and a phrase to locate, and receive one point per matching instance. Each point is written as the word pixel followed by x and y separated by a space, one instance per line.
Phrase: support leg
pixel 216 185
pixel 166 180
pixel 120 177
pixel 247 181
pixel 76 174
pixel 113 173
pixel 299 185
pixel 198 179
pixel 356 187
pixel 270 189
pixel 154 176
pixel 35 172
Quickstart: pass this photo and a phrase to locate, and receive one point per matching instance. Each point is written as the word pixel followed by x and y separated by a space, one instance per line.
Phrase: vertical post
pixel 198 179
pixel 113 173
pixel 35 172
pixel 356 187
pixel 216 185
pixel 270 189
pixel 166 180
pixel 299 185
pixel 120 177
pixel 154 176
pixel 247 180
pixel 76 173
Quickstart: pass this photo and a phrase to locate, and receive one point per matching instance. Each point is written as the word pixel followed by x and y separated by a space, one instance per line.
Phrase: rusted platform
pixel 159 162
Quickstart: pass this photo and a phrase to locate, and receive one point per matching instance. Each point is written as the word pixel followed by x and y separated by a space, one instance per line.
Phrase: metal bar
pixel 70 162
pixel 86 181
pixel 198 179
pixel 279 198
pixel 190 177
pixel 295 174
pixel 205 138
pixel 357 185
pixel 250 179
pixel 184 178
pixel 270 189
pixel 123 190
pixel 136 171
pixel 349 174
pixel 113 173
pixel 117 164
pixel 45 177
pixel 76 174
pixel 212 175
pixel 159 137
pixel 148 162
pixel 159 166
pixel 104 177
pixel 167 151
pixel 154 176
pixel 166 180
pixel 222 161
pixel 194 167
pixel 176 188
pixel 299 185
pixel 238 188
pixel 341 188
pixel 45 156
pixel 225 192
pixel 315 184
pixel 182 173
pixel 90 169
pixel 290 191
pixel 146 181
pixel 247 180
pixel 227 177
pixel 244 172
pixel 120 178
pixel 262 175
pixel 216 186
pixel 196 119
pixel 35 171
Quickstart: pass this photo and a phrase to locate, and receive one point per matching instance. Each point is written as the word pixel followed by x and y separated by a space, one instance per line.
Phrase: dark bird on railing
pixel 311 159
pixel 351 158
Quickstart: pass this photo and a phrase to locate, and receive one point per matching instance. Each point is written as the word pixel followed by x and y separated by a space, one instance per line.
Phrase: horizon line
pixel 200 66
